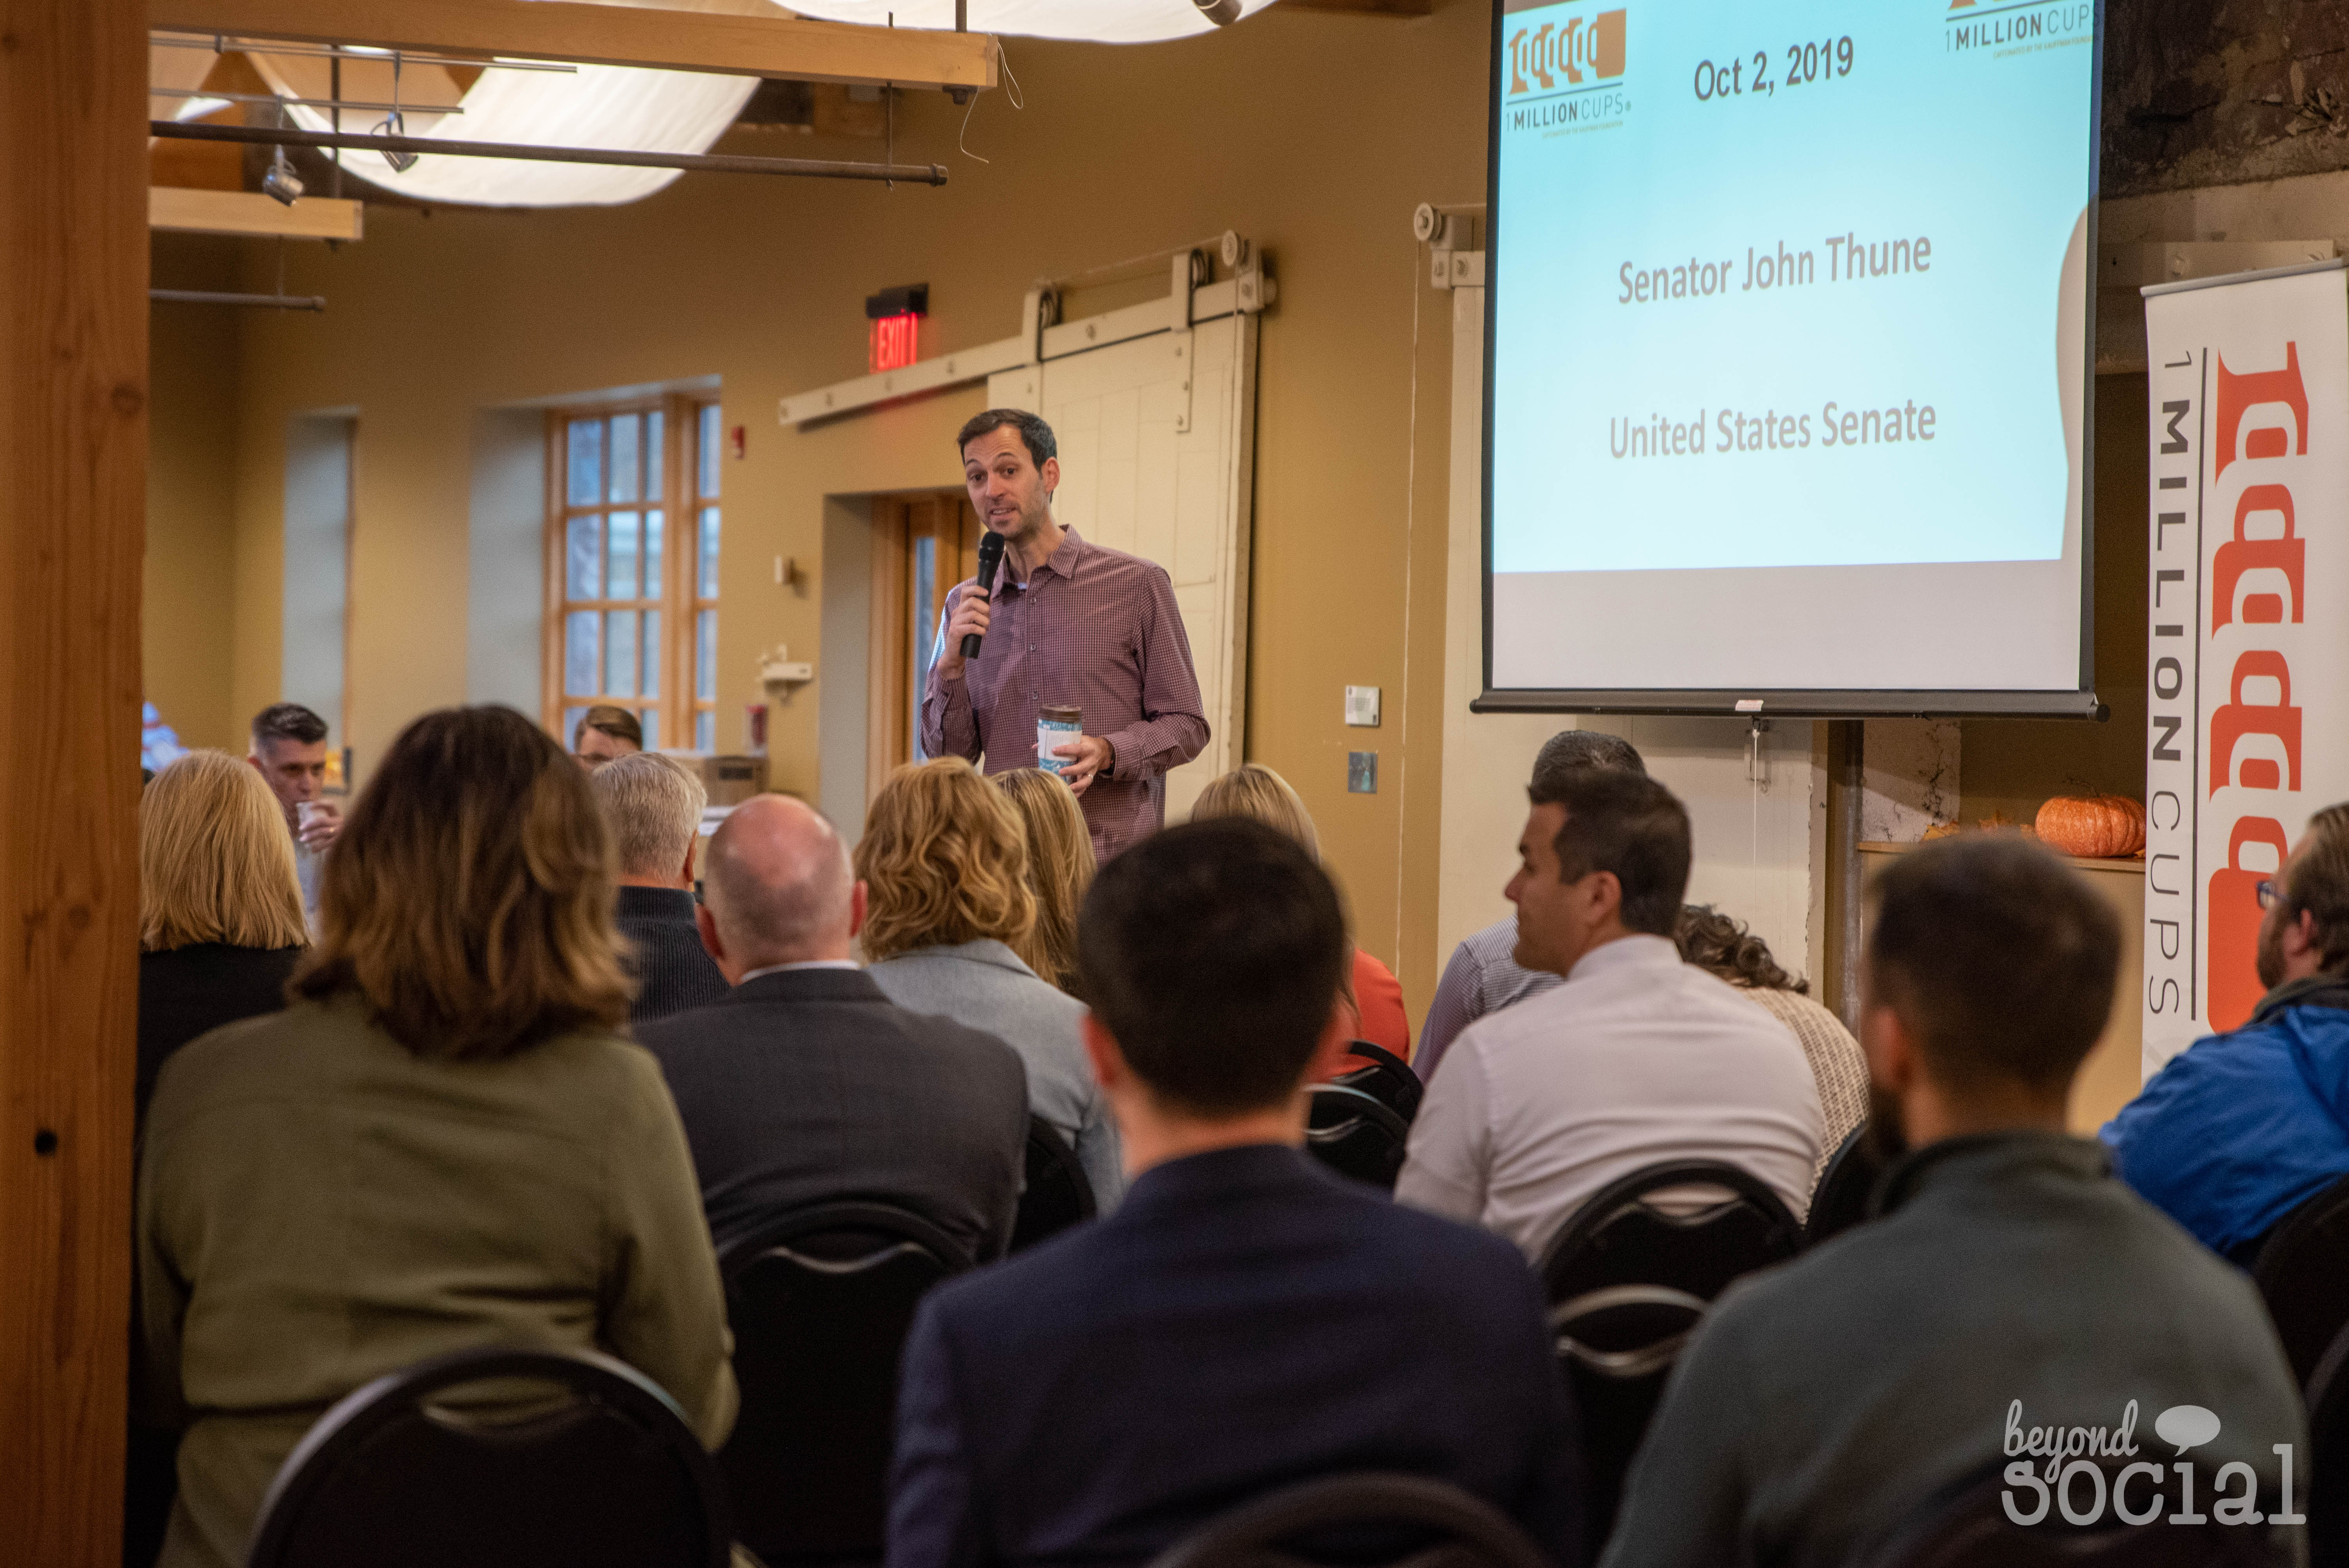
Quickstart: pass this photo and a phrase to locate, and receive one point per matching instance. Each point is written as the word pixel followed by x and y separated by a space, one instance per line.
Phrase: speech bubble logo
pixel 2186 1427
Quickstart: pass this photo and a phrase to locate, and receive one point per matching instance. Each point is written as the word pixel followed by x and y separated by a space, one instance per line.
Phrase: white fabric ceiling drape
pixel 611 106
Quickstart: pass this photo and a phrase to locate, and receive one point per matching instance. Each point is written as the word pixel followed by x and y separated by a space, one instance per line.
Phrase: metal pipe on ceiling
pixel 697 162
pixel 265 301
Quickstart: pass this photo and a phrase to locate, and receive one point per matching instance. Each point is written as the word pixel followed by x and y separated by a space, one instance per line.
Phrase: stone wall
pixel 2220 92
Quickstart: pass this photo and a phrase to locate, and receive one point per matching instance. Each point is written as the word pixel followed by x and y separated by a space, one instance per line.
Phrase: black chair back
pixel 498 1458
pixel 1388 1080
pixel 2302 1273
pixel 1354 1135
pixel 1058 1195
pixel 2326 1487
pixel 1968 1525
pixel 1850 1180
pixel 1344 1520
pixel 1628 1282
pixel 821 1301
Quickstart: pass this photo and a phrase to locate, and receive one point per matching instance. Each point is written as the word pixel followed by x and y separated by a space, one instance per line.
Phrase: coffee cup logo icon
pixel 2186 1427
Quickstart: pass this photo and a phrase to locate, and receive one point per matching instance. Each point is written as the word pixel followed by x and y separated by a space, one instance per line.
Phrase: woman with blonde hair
pixel 1372 991
pixel 443 1143
pixel 221 926
pixel 1060 869
pixel 219 905
pixel 945 864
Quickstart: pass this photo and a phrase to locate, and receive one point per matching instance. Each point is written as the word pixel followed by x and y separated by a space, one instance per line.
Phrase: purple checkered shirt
pixel 1092 628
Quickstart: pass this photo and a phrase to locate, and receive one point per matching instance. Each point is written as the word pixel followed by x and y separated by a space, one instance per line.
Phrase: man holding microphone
pixel 1064 623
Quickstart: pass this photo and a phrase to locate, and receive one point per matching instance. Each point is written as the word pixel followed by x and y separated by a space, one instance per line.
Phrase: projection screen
pixel 1789 356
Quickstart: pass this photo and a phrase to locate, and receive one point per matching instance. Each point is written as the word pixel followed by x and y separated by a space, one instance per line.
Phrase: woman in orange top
pixel 1372 990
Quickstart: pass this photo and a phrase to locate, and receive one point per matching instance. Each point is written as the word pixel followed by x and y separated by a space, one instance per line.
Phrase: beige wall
pixel 1314 134
pixel 193 364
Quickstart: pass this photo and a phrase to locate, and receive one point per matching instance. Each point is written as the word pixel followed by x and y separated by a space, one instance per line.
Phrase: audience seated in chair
pixel 1372 991
pixel 604 734
pixel 2011 1283
pixel 220 926
pixel 1484 975
pixel 1639 1058
pixel 1722 946
pixel 653 806
pixel 2239 1130
pixel 429 1151
pixel 805 1084
pixel 220 923
pixel 1059 868
pixel 1243 1322
pixel 945 864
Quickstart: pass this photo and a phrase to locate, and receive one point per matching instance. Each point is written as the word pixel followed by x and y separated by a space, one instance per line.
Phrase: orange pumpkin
pixel 2093 827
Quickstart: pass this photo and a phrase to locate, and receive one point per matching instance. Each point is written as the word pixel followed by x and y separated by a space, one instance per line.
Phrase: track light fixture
pixel 396 124
pixel 281 184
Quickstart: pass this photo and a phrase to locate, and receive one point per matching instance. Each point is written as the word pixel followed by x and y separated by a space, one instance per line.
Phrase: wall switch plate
pixel 1362 707
pixel 1362 773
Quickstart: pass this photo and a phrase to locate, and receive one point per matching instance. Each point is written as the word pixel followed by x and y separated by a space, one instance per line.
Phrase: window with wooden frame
pixel 632 525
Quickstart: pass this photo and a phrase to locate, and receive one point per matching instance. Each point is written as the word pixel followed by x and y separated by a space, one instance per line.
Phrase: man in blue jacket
pixel 1244 1321
pixel 2242 1128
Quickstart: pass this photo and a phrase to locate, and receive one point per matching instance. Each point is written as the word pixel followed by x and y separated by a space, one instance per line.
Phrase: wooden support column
pixel 73 467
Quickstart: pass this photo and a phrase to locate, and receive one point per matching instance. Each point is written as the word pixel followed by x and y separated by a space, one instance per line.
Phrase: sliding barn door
pixel 1157 459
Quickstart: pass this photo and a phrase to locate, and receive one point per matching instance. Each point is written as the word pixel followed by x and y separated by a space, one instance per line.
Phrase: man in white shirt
pixel 1637 1059
pixel 1484 976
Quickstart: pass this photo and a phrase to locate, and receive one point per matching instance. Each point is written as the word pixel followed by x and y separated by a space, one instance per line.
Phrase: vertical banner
pixel 2247 622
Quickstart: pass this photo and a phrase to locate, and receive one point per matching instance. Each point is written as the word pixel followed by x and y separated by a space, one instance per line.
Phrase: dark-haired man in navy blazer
pixel 1244 1321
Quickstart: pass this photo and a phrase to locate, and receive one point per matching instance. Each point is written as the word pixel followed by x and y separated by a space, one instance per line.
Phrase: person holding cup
pixel 289 748
pixel 1083 669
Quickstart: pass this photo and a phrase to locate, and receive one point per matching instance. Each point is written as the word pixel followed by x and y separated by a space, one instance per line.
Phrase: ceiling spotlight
pixel 281 183
pixel 396 124
pixel 1222 13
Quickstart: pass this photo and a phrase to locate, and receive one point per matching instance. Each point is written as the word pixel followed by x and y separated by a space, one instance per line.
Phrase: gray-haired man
pixel 653 806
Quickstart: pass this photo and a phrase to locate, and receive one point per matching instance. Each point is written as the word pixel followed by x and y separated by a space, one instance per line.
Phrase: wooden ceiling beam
pixel 570 33
pixel 251 212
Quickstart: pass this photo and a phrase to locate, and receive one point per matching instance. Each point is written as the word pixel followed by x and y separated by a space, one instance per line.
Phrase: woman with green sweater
pixel 445 1142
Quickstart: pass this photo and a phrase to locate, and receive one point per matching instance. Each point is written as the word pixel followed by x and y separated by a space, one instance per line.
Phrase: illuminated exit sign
pixel 895 315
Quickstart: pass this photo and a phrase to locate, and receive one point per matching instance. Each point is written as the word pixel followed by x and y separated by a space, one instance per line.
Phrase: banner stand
pixel 2248 620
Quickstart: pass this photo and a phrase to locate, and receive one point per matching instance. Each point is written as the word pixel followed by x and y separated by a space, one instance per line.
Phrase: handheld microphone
pixel 991 556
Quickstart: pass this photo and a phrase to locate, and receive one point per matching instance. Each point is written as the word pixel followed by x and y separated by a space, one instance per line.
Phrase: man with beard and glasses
pixel 2240 1128
pixel 1067 624
pixel 2009 1283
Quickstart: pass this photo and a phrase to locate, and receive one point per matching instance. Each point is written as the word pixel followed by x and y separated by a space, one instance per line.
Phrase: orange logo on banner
pixel 2287 554
pixel 1581 51
pixel 2235 719
pixel 2234 988
pixel 2238 395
